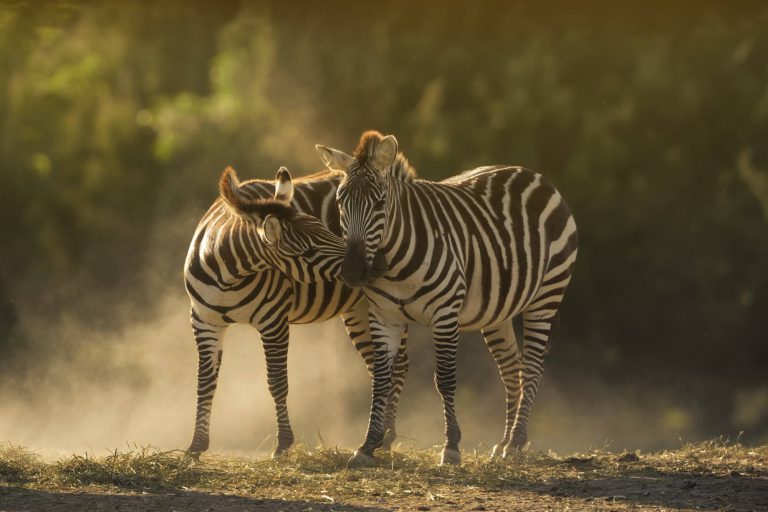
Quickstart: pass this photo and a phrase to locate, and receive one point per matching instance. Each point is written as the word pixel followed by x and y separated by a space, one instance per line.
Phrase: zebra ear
pixel 283 186
pixel 229 188
pixel 385 153
pixel 269 230
pixel 334 159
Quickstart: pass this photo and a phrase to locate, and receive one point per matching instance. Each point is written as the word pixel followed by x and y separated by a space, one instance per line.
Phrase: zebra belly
pixel 270 297
pixel 420 311
pixel 484 306
pixel 258 314
pixel 478 314
pixel 321 301
pixel 494 304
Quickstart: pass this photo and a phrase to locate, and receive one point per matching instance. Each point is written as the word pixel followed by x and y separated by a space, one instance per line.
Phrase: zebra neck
pixel 396 220
pixel 241 252
pixel 260 258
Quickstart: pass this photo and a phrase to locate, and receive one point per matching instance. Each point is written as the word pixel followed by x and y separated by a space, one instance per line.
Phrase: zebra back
pixel 227 278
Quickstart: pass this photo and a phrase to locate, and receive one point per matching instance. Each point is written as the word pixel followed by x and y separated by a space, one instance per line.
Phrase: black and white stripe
pixel 468 253
pixel 260 256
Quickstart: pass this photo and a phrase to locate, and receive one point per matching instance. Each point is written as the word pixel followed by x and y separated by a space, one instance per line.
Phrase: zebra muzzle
pixel 354 270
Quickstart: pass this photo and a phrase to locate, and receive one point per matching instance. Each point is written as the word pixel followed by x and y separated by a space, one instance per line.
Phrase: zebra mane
pixel 264 207
pixel 400 169
pixel 240 200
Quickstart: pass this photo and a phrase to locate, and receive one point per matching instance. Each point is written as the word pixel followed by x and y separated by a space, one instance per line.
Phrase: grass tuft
pixel 19 465
pixel 142 468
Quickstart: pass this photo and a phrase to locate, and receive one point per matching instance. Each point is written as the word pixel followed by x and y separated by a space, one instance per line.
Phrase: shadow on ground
pixel 650 487
pixel 14 499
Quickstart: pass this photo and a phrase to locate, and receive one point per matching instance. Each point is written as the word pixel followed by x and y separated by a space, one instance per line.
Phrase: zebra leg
pixel 502 343
pixel 356 323
pixel 275 343
pixel 209 339
pixel 398 381
pixel 386 339
pixel 536 329
pixel 446 335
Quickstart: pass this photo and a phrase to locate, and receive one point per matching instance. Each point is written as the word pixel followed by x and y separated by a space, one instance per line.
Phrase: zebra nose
pixel 353 270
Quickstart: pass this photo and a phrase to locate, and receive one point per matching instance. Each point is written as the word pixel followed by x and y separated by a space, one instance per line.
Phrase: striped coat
pixel 236 273
pixel 468 253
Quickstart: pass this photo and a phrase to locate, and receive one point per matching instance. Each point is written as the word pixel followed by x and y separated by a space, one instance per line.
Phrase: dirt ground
pixel 631 493
pixel 697 477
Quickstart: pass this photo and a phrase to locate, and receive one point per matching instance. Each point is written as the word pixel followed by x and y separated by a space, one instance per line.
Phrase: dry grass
pixel 403 478
pixel 322 474
pixel 18 465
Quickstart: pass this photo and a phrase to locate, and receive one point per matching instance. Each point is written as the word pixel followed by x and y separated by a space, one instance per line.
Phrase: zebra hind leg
pixel 502 343
pixel 209 339
pixel 537 326
pixel 276 353
pixel 398 381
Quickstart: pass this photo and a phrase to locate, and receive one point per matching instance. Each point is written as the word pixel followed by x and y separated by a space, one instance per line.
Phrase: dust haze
pixel 96 390
pixel 110 369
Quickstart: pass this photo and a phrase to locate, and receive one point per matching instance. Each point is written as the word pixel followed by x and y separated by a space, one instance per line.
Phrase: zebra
pixel 260 256
pixel 467 253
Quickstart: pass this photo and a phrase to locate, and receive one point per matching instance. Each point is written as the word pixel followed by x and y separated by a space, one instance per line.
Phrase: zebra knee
pixel 403 364
pixel 446 389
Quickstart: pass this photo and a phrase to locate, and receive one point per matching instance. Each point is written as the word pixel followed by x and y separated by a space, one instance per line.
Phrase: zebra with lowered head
pixel 467 253
pixel 263 255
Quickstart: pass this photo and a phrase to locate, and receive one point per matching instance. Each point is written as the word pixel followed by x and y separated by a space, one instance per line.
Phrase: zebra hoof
pixel 284 442
pixel 279 451
pixel 497 452
pixel 513 449
pixel 193 456
pixel 389 440
pixel 517 444
pixel 450 456
pixel 361 460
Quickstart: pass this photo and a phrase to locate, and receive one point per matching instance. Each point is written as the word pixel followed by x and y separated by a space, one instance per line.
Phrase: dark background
pixel 116 120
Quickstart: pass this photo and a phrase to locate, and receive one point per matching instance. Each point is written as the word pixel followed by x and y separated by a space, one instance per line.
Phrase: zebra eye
pixel 379 204
pixel 309 252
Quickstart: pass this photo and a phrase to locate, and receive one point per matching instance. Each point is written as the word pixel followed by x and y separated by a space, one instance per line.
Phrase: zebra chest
pixel 412 300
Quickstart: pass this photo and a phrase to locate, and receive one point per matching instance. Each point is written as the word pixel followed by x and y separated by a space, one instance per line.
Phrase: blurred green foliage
pixel 652 121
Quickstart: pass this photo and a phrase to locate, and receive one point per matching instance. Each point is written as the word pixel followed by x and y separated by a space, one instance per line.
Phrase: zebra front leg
pixel 536 330
pixel 386 340
pixel 502 343
pixel 398 381
pixel 209 339
pixel 446 335
pixel 275 343
pixel 356 324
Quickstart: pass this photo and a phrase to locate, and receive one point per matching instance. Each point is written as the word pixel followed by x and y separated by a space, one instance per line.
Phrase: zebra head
pixel 362 197
pixel 298 245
